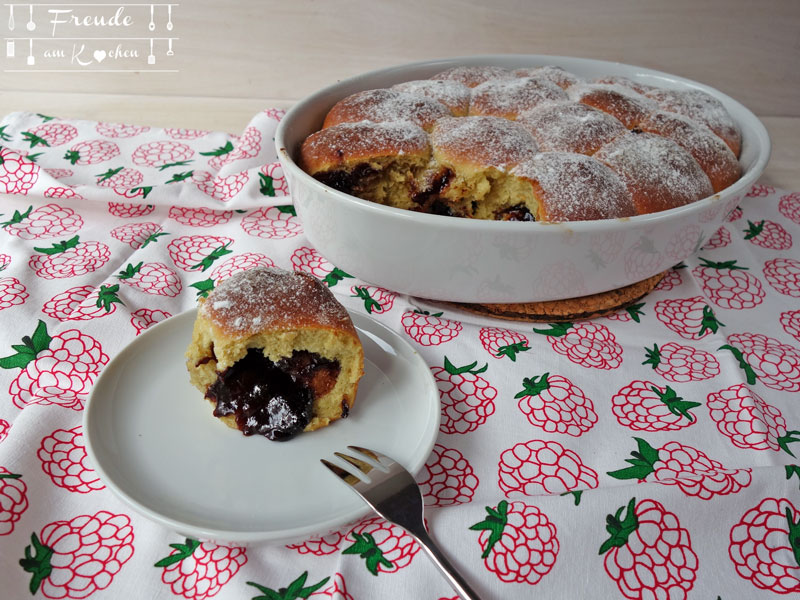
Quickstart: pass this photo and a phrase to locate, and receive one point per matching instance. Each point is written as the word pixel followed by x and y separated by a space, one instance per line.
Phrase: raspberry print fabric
pixel 652 452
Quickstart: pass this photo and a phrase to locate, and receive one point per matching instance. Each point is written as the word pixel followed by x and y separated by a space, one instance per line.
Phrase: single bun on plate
pixel 275 353
pixel 484 142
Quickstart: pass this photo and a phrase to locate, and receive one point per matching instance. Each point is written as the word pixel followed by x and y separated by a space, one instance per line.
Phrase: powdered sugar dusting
pixel 380 106
pixel 570 127
pixel 575 187
pixel 472 76
pixel 267 298
pixel 349 139
pixel 561 77
pixel 453 94
pixel 625 104
pixel 486 141
pixel 509 97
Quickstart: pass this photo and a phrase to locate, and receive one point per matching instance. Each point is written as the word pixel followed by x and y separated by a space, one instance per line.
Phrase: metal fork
pixel 393 494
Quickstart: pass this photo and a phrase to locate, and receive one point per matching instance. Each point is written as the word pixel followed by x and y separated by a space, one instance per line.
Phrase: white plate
pixel 155 443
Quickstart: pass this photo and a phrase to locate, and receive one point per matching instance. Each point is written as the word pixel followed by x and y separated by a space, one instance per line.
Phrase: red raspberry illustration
pixel 690 318
pixel 429 329
pixel 83 303
pixel 783 274
pixel 130 211
pixel 501 342
pixel 12 292
pixel 336 590
pixel 17 174
pixel 62 192
pixel 760 190
pixel 272 181
pixel 63 456
pixel 385 548
pixel 298 589
pixel 467 398
pixel 120 130
pixel 720 239
pixel 50 134
pixel 50 220
pixel 587 344
pixel 320 546
pixel 185 134
pixel 218 187
pixel 240 262
pixel 748 421
pixel 683 242
pixel 5 427
pixel 59 173
pixel 145 318
pixel 671 280
pixel 152 278
pixel 765 544
pixel 377 300
pixel 649 554
pixel 679 364
pixel 791 323
pixel 246 146
pixel 310 261
pixel 5 260
pixel 13 499
pixel 275 113
pixel 557 405
pixel 448 478
pixel 199 217
pixel 632 312
pixel 775 364
pixel 199 570
pixel 69 258
pixel 541 467
pixel 198 252
pixel 642 259
pixel 76 558
pixel 734 215
pixel 690 469
pixel 92 152
pixel 272 222
pixel 644 406
pixel 727 285
pixel 519 542
pixel 789 206
pixel 120 178
pixel 55 370
pixel 137 235
pixel 161 154
pixel 768 234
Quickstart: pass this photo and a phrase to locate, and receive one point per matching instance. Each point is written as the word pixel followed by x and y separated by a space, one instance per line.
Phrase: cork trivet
pixel 571 309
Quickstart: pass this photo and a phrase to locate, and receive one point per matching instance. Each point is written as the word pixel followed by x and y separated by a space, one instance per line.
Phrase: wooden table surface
pixel 231 60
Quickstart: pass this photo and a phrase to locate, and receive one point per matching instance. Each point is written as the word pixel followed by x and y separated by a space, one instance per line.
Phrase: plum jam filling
pixel 272 399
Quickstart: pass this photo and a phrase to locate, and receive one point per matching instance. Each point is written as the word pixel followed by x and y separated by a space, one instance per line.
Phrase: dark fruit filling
pixel 349 182
pixel 519 212
pixel 272 399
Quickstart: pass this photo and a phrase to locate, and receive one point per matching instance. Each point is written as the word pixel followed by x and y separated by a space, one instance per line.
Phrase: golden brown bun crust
pixel 575 187
pixel 659 173
pixel 453 94
pixel 625 104
pixel 473 76
pixel 482 142
pixel 710 151
pixel 508 98
pixel 349 143
pixel 383 105
pixel 570 127
pixel 561 77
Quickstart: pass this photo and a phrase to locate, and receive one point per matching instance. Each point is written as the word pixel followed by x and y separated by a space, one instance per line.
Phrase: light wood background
pixel 236 58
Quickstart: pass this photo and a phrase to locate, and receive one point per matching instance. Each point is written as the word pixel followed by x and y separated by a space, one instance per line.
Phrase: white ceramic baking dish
pixel 468 260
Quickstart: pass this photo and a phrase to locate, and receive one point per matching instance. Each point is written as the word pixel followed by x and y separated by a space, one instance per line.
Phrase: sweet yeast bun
pixel 574 187
pixel 508 98
pixel 383 105
pixel 473 76
pixel 275 353
pixel 658 172
pixel 709 150
pixel 570 127
pixel 558 75
pixel 621 102
pixel 374 161
pixel 453 94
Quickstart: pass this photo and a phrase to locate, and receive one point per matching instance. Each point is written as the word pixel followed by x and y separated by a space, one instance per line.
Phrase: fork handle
pixel 458 583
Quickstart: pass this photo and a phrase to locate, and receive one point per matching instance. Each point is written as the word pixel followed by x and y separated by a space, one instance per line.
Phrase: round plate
pixel 155 443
